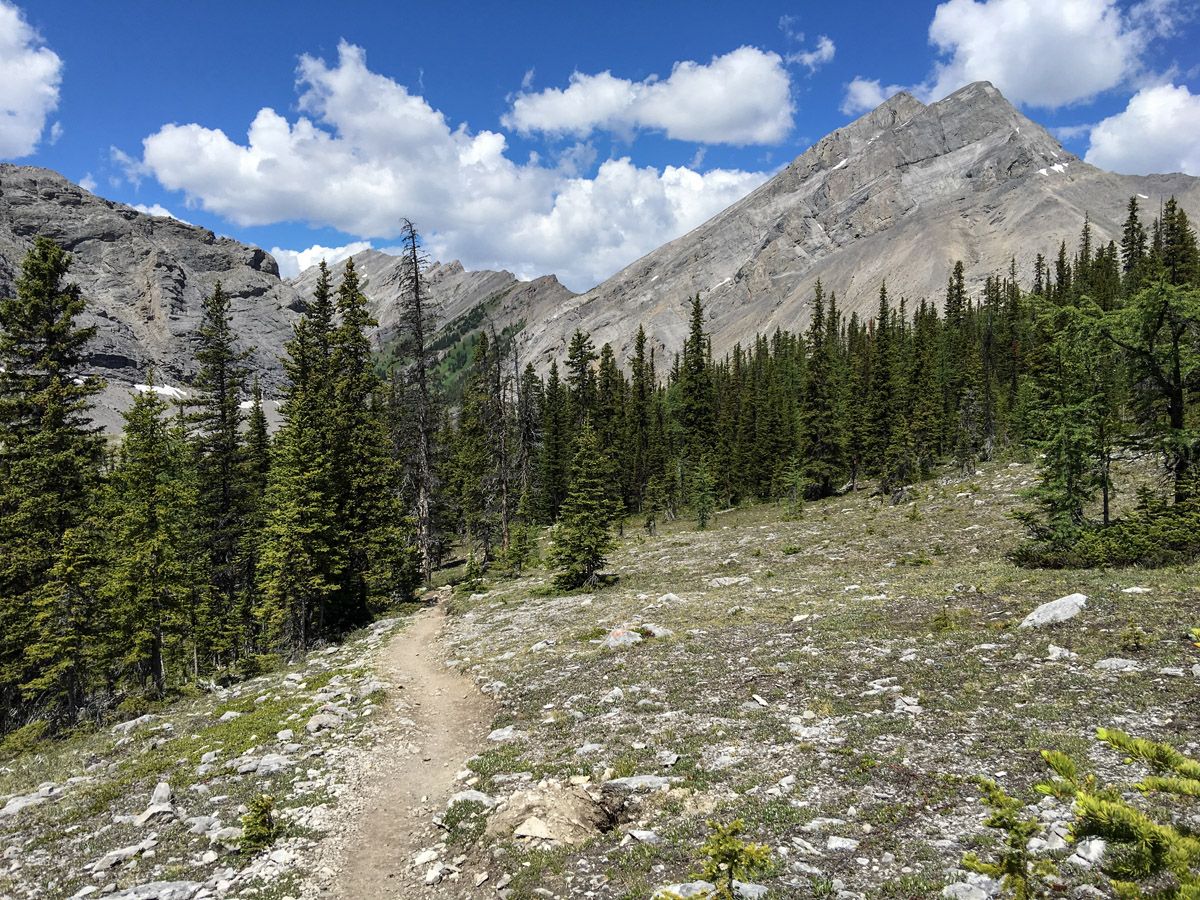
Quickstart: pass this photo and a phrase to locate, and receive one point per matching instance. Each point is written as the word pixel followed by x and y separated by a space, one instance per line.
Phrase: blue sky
pixel 543 137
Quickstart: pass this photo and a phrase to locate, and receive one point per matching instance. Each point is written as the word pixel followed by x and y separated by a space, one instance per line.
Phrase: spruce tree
pixel 581 378
pixel 822 446
pixel 703 493
pixel 371 538
pixel 417 330
pixel 556 453
pixel 158 551
pixel 220 460
pixel 49 463
pixel 583 535
pixel 299 560
pixel 695 385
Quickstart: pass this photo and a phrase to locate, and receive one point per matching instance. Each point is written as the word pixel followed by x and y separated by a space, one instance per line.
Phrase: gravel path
pixel 452 720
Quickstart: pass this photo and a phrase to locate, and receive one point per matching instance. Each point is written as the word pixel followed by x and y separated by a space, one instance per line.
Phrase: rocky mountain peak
pixel 900 193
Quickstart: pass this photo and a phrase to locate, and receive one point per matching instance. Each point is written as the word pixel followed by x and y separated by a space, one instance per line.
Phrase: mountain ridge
pixel 900 193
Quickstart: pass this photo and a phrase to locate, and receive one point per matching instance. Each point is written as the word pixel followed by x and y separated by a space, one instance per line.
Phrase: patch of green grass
pixel 502 760
pixel 465 822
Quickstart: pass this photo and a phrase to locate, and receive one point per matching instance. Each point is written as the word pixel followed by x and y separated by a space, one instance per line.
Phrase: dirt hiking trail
pixel 452 720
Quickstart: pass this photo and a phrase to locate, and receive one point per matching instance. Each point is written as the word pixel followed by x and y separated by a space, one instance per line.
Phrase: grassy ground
pixel 840 675
pixel 102 778
pixel 780 691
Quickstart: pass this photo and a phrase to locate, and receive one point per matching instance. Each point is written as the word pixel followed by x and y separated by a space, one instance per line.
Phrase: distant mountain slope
pixel 145 278
pixel 461 302
pixel 900 193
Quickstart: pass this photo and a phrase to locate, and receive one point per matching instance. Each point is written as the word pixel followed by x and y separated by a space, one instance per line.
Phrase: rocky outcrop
pixel 145 278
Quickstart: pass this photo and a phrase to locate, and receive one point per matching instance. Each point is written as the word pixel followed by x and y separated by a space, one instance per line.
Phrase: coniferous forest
pixel 200 546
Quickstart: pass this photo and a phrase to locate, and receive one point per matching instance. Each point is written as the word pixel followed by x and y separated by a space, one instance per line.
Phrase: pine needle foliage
pixel 1144 857
pixel 583 536
pixel 727 859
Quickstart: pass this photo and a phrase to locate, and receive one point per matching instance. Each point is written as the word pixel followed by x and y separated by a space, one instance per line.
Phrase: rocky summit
pixel 899 194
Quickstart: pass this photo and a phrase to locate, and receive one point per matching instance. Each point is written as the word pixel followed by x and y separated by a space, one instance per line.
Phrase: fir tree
pixel 583 536
pixel 581 378
pixel 822 442
pixel 695 384
pixel 224 492
pixel 371 535
pixel 417 328
pixel 153 505
pixel 49 459
pixel 703 493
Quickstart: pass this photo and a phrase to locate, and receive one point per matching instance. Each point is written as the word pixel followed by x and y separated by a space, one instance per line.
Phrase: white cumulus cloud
pixel 1159 131
pixel 1038 53
pixel 743 97
pixel 156 209
pixel 367 152
pixel 820 55
pixel 864 94
pixel 293 262
pixel 30 74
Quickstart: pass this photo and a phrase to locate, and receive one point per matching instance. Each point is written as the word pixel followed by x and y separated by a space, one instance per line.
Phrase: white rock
pixel 507 733
pixel 637 783
pixel 229 715
pixel 1055 611
pixel 841 843
pixel 1061 653
pixel 729 581
pixel 1118 664
pixel 963 891
pixel 425 857
pixel 622 636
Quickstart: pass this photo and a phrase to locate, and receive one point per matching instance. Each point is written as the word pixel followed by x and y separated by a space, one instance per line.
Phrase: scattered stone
pixel 1087 853
pixel 472 797
pixel 133 724
pixel 272 763
pixel 425 857
pixel 622 636
pixel 638 783
pixel 229 715
pixel 1056 611
pixel 645 836
pixel 729 581
pixel 963 891
pixel 507 733
pixel 1118 664
pixel 1057 653
pixel 556 813
pixel 321 721
pixel 840 843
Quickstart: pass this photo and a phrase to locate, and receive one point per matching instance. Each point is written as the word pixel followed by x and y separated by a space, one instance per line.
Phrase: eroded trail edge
pixel 439 721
